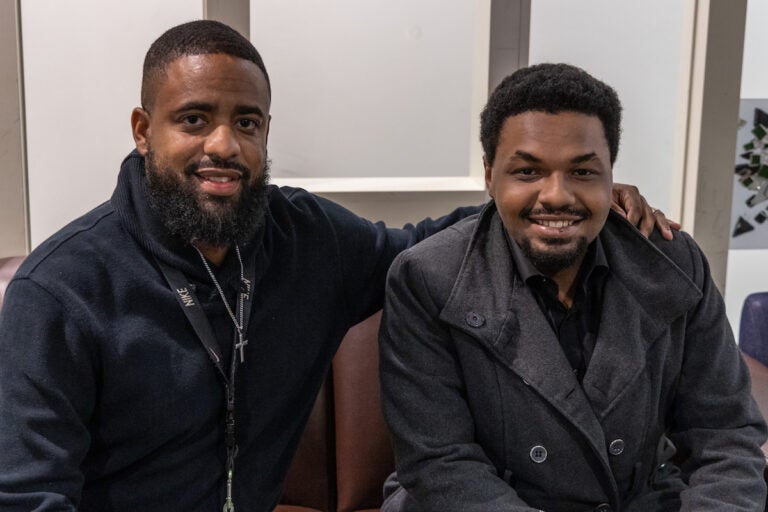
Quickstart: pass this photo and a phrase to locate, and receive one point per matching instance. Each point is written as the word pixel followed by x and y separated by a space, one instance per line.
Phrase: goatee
pixel 555 257
pixel 550 262
pixel 198 217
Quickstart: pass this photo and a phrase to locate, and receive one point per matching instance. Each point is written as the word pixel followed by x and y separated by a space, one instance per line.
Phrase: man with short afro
pixel 546 356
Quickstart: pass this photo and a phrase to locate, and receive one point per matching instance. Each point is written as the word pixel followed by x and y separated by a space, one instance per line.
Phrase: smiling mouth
pixel 221 182
pixel 219 175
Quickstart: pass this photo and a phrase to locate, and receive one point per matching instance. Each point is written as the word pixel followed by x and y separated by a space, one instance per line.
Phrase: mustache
pixel 221 163
pixel 576 212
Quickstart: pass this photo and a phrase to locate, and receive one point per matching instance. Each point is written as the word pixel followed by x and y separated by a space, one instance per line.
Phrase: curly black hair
pixel 551 88
pixel 200 37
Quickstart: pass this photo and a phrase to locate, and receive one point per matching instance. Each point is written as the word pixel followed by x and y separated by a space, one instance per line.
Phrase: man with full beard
pixel 546 356
pixel 163 351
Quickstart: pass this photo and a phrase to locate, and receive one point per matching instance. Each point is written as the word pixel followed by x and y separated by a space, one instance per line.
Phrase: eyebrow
pixel 584 158
pixel 575 160
pixel 196 105
pixel 202 106
pixel 249 109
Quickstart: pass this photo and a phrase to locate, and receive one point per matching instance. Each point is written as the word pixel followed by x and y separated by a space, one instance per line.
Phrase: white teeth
pixel 219 179
pixel 556 223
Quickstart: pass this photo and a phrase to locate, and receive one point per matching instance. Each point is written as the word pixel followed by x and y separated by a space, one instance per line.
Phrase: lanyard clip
pixel 229 505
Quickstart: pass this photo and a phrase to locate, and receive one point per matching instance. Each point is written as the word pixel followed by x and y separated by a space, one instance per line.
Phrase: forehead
pixel 553 133
pixel 212 78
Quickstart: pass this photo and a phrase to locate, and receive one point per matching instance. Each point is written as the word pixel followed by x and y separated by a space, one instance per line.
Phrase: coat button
pixel 603 507
pixel 538 454
pixel 616 447
pixel 475 319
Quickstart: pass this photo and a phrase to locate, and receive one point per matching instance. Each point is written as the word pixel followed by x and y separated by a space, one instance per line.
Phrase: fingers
pixel 664 225
pixel 628 202
pixel 647 220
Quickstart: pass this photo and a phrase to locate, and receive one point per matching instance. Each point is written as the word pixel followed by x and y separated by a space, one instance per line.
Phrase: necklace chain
pixel 240 344
pixel 238 325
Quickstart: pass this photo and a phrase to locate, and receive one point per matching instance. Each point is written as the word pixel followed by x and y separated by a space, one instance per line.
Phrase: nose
pixel 222 142
pixel 556 192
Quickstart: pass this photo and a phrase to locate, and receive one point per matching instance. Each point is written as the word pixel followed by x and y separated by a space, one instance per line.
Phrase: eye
pixel 583 173
pixel 248 124
pixel 525 173
pixel 192 120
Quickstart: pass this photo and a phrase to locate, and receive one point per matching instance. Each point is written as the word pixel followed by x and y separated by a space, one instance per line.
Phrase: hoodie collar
pixel 132 206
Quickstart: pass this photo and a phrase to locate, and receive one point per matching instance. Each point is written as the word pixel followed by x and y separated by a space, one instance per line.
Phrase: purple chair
pixel 753 333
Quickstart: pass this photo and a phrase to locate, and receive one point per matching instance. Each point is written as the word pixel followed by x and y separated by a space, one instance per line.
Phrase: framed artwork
pixel 749 210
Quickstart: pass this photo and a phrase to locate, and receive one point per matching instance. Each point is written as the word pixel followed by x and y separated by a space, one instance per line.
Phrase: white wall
pixel 637 48
pixel 82 77
pixel 379 88
pixel 746 267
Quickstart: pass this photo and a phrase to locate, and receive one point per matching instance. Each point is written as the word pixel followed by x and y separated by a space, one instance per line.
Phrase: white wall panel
pixel 375 88
pixel 82 73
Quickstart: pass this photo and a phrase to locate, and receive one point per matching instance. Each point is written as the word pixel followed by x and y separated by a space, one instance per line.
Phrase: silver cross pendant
pixel 240 345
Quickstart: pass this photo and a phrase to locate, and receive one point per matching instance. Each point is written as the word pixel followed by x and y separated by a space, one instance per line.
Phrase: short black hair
pixel 201 37
pixel 550 88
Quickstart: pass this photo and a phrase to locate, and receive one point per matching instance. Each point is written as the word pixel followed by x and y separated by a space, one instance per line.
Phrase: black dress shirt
pixel 575 327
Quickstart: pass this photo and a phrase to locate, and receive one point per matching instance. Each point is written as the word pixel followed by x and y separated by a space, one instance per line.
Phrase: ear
pixel 140 129
pixel 266 135
pixel 488 176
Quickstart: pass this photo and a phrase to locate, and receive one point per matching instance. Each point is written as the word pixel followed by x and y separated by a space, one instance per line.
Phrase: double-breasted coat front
pixel 487 415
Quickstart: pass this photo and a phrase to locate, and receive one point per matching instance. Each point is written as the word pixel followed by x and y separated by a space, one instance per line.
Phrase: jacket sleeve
pixel 716 422
pixel 46 396
pixel 423 397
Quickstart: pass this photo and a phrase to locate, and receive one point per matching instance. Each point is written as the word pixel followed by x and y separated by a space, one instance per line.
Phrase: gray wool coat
pixel 487 415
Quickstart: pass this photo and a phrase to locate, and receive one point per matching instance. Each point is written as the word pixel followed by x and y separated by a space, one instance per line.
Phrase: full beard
pixel 212 220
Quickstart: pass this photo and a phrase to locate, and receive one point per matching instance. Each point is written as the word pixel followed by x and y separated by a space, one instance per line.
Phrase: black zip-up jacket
pixel 108 400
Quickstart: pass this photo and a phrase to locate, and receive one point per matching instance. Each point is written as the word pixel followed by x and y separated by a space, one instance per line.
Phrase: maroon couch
pixel 345 454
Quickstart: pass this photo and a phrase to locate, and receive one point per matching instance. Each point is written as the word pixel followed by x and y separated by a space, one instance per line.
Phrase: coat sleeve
pixel 715 420
pixel 45 397
pixel 366 251
pixel 423 397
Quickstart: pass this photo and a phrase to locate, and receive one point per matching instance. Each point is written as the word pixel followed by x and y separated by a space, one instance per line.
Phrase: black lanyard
pixel 183 290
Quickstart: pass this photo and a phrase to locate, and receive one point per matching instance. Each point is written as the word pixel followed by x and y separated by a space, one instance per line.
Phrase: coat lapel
pixel 620 349
pixel 645 293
